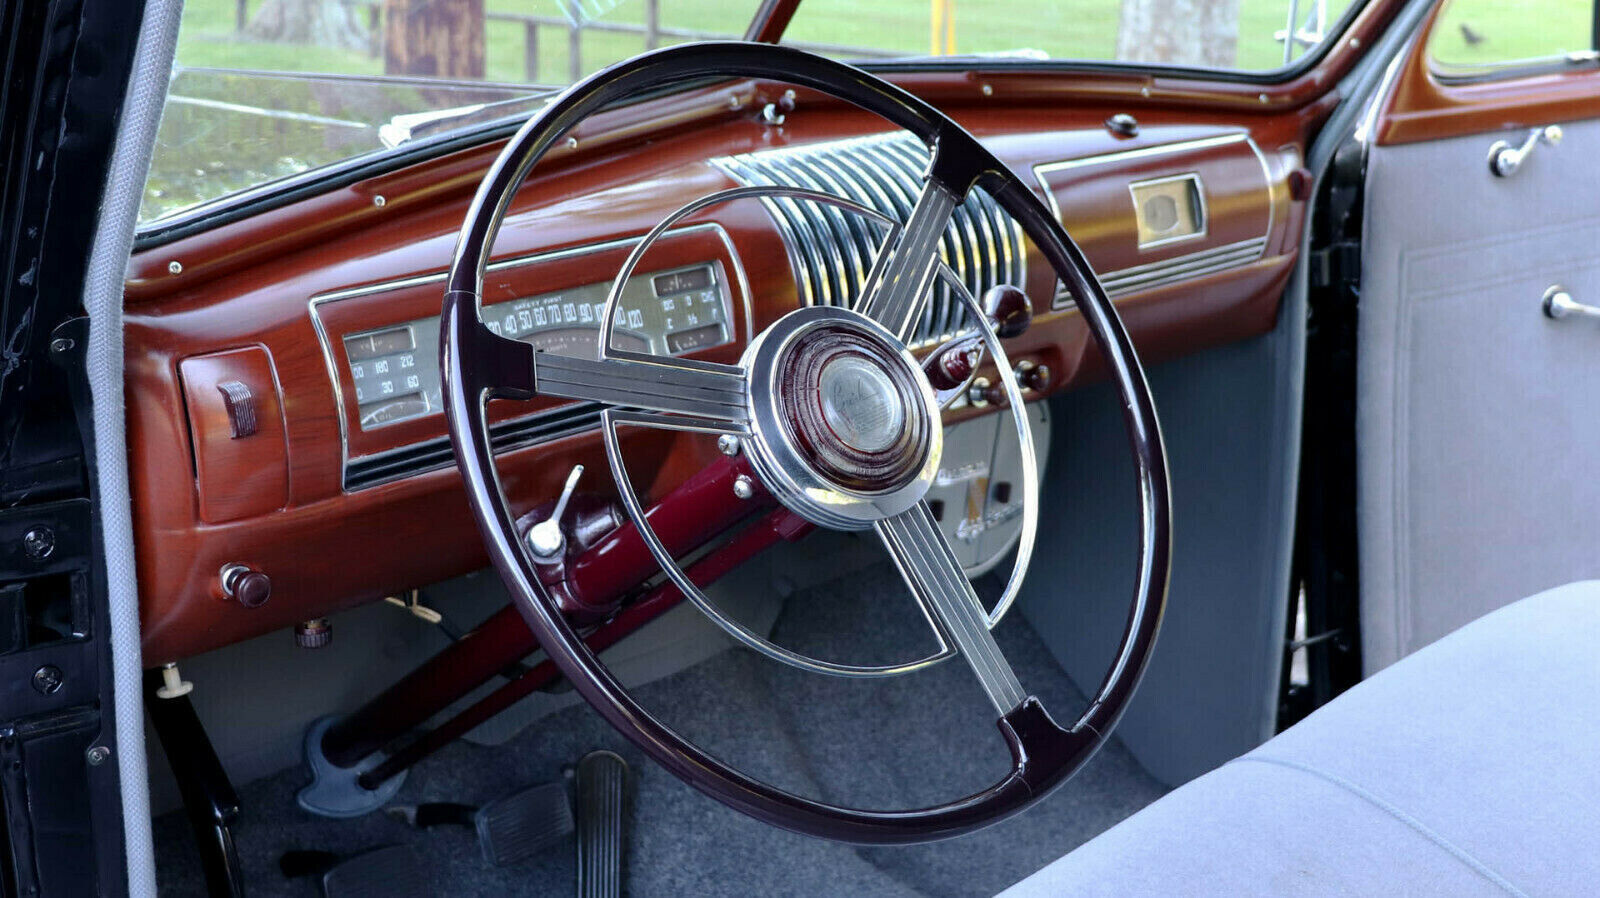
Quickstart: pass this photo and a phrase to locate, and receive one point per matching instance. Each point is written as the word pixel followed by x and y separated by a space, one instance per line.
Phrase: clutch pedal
pixel 602 789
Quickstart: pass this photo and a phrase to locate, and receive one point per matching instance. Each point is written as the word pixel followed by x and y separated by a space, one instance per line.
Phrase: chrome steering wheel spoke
pixel 902 276
pixel 703 390
pixel 937 582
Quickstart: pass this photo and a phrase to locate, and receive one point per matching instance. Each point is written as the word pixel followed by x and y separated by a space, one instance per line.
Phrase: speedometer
pixel 583 341
pixel 395 370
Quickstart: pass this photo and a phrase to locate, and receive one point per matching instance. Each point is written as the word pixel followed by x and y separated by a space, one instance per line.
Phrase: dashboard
pixel 283 387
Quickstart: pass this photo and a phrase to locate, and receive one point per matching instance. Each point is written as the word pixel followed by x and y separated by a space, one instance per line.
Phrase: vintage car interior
pixel 461 447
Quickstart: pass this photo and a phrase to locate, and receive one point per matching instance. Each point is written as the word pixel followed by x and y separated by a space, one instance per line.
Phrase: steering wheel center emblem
pixel 860 403
pixel 844 428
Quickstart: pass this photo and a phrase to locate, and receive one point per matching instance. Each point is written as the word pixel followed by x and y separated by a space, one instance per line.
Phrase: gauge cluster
pixel 395 370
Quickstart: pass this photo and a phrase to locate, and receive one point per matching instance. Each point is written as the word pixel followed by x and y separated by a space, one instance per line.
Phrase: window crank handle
pixel 1505 159
pixel 1558 303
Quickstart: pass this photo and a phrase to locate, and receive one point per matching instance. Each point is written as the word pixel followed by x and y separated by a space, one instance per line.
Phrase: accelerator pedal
pixel 602 788
pixel 511 829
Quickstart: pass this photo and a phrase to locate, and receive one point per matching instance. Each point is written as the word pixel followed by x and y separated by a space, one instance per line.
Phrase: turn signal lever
pixel 951 367
pixel 545 539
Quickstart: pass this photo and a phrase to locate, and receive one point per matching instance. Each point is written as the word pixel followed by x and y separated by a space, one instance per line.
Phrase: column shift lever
pixel 544 538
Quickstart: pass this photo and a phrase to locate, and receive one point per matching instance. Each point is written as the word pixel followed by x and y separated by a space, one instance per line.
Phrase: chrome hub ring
pixel 844 427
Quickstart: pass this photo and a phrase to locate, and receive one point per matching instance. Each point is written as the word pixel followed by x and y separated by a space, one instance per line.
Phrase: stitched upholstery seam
pixel 1416 825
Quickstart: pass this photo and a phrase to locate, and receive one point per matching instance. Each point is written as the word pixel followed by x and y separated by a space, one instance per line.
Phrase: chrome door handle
pixel 1558 303
pixel 1505 159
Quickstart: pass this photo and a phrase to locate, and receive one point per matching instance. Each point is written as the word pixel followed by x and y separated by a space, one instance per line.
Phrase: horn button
pixel 854 409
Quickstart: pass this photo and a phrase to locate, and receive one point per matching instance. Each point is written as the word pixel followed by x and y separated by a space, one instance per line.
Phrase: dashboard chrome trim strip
pixel 1179 268
pixel 335 381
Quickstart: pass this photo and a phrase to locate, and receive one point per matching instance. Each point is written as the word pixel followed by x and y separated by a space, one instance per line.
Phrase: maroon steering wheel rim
pixel 477 365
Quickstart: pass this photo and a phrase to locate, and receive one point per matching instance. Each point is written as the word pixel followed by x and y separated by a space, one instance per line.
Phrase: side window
pixel 1475 38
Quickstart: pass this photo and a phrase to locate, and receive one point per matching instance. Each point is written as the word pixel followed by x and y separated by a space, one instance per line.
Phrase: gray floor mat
pixel 900 742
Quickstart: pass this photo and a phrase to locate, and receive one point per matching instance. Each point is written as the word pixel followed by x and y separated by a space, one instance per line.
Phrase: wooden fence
pixel 651 31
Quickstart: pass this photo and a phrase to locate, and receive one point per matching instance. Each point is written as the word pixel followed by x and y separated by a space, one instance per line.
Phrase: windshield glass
pixel 263 90
pixel 1239 35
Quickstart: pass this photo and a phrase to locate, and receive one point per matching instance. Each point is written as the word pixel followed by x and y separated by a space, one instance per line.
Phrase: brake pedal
pixel 602 788
pixel 515 828
pixel 510 830
pixel 392 871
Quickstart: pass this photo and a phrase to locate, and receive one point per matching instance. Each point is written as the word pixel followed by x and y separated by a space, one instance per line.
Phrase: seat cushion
pixel 1470 767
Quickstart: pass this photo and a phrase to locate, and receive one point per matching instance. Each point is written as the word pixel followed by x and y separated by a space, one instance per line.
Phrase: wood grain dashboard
pixel 338 514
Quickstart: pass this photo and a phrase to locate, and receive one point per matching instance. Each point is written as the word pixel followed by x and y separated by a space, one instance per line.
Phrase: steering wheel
pixel 837 420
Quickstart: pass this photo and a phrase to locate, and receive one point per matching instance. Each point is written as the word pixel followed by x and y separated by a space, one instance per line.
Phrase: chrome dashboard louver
pixel 832 249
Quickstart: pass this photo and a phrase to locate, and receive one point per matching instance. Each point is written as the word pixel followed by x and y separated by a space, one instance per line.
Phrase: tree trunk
pixel 322 23
pixel 434 38
pixel 1179 32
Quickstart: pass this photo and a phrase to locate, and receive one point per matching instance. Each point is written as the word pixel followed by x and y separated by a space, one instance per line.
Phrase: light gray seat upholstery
pixel 1470 767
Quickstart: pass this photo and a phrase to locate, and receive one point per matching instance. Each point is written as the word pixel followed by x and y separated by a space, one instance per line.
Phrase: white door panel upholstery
pixel 1478 417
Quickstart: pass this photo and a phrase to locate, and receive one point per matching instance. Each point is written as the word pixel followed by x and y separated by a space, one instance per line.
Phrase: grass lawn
pixel 1065 29
pixel 1505 30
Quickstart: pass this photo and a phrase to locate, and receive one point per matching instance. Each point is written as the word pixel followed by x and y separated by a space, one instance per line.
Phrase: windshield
pixel 1239 35
pixel 263 90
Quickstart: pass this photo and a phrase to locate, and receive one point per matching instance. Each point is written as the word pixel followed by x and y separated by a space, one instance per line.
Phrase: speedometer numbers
pixel 395 370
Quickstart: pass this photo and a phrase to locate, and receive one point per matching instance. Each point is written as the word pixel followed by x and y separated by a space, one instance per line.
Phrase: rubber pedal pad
pixel 392 871
pixel 602 792
pixel 515 828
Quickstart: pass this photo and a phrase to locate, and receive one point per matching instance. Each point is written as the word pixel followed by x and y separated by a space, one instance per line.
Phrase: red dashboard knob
pixel 1008 309
pixel 250 588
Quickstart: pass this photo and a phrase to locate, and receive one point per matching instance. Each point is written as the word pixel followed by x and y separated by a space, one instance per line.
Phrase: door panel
pixel 1478 416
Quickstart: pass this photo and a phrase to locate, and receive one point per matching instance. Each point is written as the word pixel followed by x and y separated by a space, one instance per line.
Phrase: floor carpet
pixel 894 743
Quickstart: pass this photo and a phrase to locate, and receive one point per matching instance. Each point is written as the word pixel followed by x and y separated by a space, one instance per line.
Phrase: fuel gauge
pixel 392 409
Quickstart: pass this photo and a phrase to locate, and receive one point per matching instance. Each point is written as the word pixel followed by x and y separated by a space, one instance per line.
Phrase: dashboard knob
pixel 982 393
pixel 952 364
pixel 1008 309
pixel 249 587
pixel 313 634
pixel 1033 376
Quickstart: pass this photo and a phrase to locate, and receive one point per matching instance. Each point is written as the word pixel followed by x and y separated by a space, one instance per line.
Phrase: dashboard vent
pixel 431 455
pixel 832 249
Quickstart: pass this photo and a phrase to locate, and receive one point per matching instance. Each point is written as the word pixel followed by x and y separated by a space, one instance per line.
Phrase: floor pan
pixel 900 742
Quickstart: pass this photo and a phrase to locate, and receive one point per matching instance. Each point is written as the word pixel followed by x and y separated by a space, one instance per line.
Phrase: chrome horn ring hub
pixel 844 427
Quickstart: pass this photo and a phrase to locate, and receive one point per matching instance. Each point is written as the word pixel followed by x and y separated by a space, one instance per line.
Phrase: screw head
pixel 97 755
pixel 379 201
pixel 47 680
pixel 743 487
pixel 728 444
pixel 39 543
pixel 175 267
pixel 62 344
